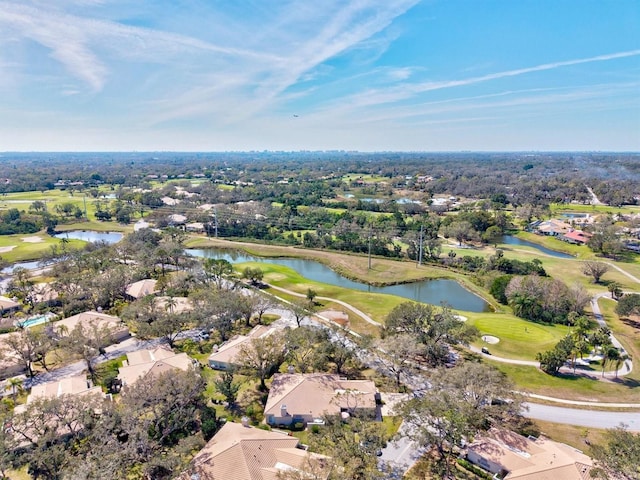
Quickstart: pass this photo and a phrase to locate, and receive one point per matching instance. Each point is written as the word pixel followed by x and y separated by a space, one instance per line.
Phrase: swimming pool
pixel 33 321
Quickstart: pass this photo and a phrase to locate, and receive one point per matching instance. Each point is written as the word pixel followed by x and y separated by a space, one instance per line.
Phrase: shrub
pixel 466 464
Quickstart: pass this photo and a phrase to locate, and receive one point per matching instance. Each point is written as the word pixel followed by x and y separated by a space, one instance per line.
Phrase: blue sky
pixel 108 75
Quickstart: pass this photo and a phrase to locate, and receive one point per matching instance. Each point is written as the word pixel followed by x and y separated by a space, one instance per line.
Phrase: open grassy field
pixel 383 271
pixel 14 248
pixel 567 270
pixel 368 178
pixel 56 198
pixel 627 331
pixel 376 305
pixel 577 437
pixel 530 379
pixel 594 209
pixel 52 198
pixel 519 339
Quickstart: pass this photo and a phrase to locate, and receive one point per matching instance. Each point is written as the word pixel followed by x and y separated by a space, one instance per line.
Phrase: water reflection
pixel 427 291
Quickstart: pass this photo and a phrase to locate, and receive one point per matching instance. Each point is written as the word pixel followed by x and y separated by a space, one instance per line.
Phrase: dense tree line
pixel 538 179
pixel 150 432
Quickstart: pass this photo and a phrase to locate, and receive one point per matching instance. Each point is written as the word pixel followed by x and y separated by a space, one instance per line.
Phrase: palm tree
pixel 616 290
pixel 15 385
pixel 622 357
pixel 610 354
pixel 170 304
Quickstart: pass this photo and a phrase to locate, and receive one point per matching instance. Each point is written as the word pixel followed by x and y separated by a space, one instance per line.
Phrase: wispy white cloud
pixel 74 41
pixel 408 90
pixel 343 27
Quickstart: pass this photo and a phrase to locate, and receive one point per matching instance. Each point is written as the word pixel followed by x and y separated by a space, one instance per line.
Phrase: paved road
pixel 361 314
pixel 399 455
pixel 583 418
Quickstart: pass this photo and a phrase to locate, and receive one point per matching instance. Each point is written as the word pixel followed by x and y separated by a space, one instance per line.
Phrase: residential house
pixel 173 304
pixel 141 288
pixel 142 363
pixel 8 306
pixel 224 355
pixel 305 398
pixel 512 456
pixel 78 385
pixel 119 330
pixel 577 237
pixel 551 227
pixel 241 452
pixel 176 219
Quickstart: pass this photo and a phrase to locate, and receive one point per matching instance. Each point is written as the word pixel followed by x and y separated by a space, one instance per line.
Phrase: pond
pixel 511 240
pixel 91 236
pixel 27 265
pixel 426 291
pixel 574 215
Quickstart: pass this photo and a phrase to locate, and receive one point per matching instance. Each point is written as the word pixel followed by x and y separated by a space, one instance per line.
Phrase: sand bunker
pixel 462 318
pixel 337 316
pixel 490 339
pixel 7 249
pixel 34 239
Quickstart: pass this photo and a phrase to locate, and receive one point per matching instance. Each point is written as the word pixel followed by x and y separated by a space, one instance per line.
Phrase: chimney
pixel 245 421
pixel 291 369
pixel 283 411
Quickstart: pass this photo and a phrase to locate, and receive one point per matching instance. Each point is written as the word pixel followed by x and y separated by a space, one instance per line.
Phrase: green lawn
pixel 595 209
pixel 376 305
pixel 22 250
pixel 519 339
pixel 530 379
pixel 627 331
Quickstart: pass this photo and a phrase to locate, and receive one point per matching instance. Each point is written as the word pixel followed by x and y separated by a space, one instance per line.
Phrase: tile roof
pixel 141 288
pixel 237 452
pixel 155 361
pixel 7 303
pixel 101 320
pixel 179 304
pixel 228 350
pixel 578 236
pixel 77 385
pixel 318 393
pixel 532 459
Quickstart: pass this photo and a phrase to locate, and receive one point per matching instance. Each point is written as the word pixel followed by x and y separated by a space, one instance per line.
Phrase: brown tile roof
pixel 102 320
pixel 77 385
pixel 318 393
pixel 228 350
pixel 141 363
pixel 578 236
pixel 237 452
pixel 141 288
pixel 7 304
pixel 532 459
